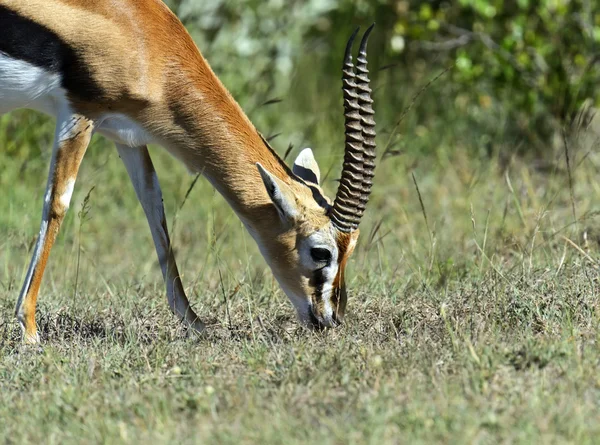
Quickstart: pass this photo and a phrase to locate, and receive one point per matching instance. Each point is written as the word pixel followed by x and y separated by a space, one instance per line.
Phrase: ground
pixel 473 312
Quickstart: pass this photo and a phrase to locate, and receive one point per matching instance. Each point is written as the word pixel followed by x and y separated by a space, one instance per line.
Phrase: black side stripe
pixel 24 39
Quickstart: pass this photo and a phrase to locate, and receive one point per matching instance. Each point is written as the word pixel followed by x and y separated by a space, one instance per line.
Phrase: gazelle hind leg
pixel 145 182
pixel 73 133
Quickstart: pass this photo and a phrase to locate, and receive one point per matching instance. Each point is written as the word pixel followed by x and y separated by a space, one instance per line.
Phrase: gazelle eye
pixel 320 255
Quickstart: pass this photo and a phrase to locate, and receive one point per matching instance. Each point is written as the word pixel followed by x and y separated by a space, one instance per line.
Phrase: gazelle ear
pixel 280 194
pixel 306 167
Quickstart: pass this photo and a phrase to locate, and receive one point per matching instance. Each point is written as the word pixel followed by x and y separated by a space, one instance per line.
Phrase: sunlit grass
pixel 473 313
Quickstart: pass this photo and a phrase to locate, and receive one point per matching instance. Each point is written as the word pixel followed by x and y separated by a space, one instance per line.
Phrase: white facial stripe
pixel 326 296
pixel 326 290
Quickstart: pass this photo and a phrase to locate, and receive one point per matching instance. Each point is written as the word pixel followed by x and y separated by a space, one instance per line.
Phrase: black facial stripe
pixel 318 281
pixel 24 39
pixel 335 301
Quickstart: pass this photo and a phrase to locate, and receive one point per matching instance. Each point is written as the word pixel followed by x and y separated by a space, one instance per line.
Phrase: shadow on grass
pixel 65 326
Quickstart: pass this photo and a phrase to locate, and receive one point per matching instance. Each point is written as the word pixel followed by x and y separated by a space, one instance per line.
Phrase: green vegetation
pixel 474 307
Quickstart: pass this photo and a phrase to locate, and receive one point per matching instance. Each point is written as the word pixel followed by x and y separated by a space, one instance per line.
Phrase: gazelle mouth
pixel 320 323
pixel 314 321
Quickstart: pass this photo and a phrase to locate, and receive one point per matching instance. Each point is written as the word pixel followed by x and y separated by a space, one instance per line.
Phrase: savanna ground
pixel 477 325
pixel 473 313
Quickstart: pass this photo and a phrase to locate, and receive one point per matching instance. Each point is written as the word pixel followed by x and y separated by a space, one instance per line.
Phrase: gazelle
pixel 129 70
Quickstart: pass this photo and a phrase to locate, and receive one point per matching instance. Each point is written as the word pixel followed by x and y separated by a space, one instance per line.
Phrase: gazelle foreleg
pixel 145 181
pixel 73 133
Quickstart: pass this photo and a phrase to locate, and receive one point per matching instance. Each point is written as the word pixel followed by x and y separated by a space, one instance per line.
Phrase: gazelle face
pixel 310 243
pixel 306 252
pixel 322 258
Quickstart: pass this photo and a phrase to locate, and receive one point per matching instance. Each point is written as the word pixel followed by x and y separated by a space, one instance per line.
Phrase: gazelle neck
pixel 213 136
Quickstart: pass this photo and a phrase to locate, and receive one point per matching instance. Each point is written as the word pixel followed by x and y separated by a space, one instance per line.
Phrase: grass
pixel 473 315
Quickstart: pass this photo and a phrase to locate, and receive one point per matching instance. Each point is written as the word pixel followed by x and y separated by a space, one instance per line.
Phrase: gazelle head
pixel 313 239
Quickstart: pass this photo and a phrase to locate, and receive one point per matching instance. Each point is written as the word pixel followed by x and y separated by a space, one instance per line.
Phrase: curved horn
pixel 348 194
pixel 357 171
pixel 365 102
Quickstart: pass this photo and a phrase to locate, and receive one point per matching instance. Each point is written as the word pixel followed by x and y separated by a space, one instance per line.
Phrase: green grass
pixel 478 324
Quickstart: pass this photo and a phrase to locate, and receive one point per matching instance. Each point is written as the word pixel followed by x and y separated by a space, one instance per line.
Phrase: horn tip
pixel 365 38
pixel 348 54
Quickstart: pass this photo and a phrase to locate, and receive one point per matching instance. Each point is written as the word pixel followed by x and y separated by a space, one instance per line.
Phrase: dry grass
pixel 485 361
pixel 479 326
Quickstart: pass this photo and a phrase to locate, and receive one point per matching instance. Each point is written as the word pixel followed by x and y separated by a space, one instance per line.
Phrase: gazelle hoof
pixel 198 326
pixel 31 338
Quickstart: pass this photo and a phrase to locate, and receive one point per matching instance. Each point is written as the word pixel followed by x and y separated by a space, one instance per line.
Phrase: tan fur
pixel 150 70
pixel 68 156
pixel 346 244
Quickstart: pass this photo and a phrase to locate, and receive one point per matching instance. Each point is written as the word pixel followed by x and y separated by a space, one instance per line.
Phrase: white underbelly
pixel 23 85
pixel 123 130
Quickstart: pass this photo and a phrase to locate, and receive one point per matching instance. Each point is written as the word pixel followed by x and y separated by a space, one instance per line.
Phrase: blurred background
pixel 483 101
pixel 519 71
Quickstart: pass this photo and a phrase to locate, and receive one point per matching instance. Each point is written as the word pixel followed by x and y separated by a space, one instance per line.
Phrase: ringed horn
pixel 359 158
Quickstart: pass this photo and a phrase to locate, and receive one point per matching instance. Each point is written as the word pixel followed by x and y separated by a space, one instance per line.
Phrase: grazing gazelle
pixel 129 70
